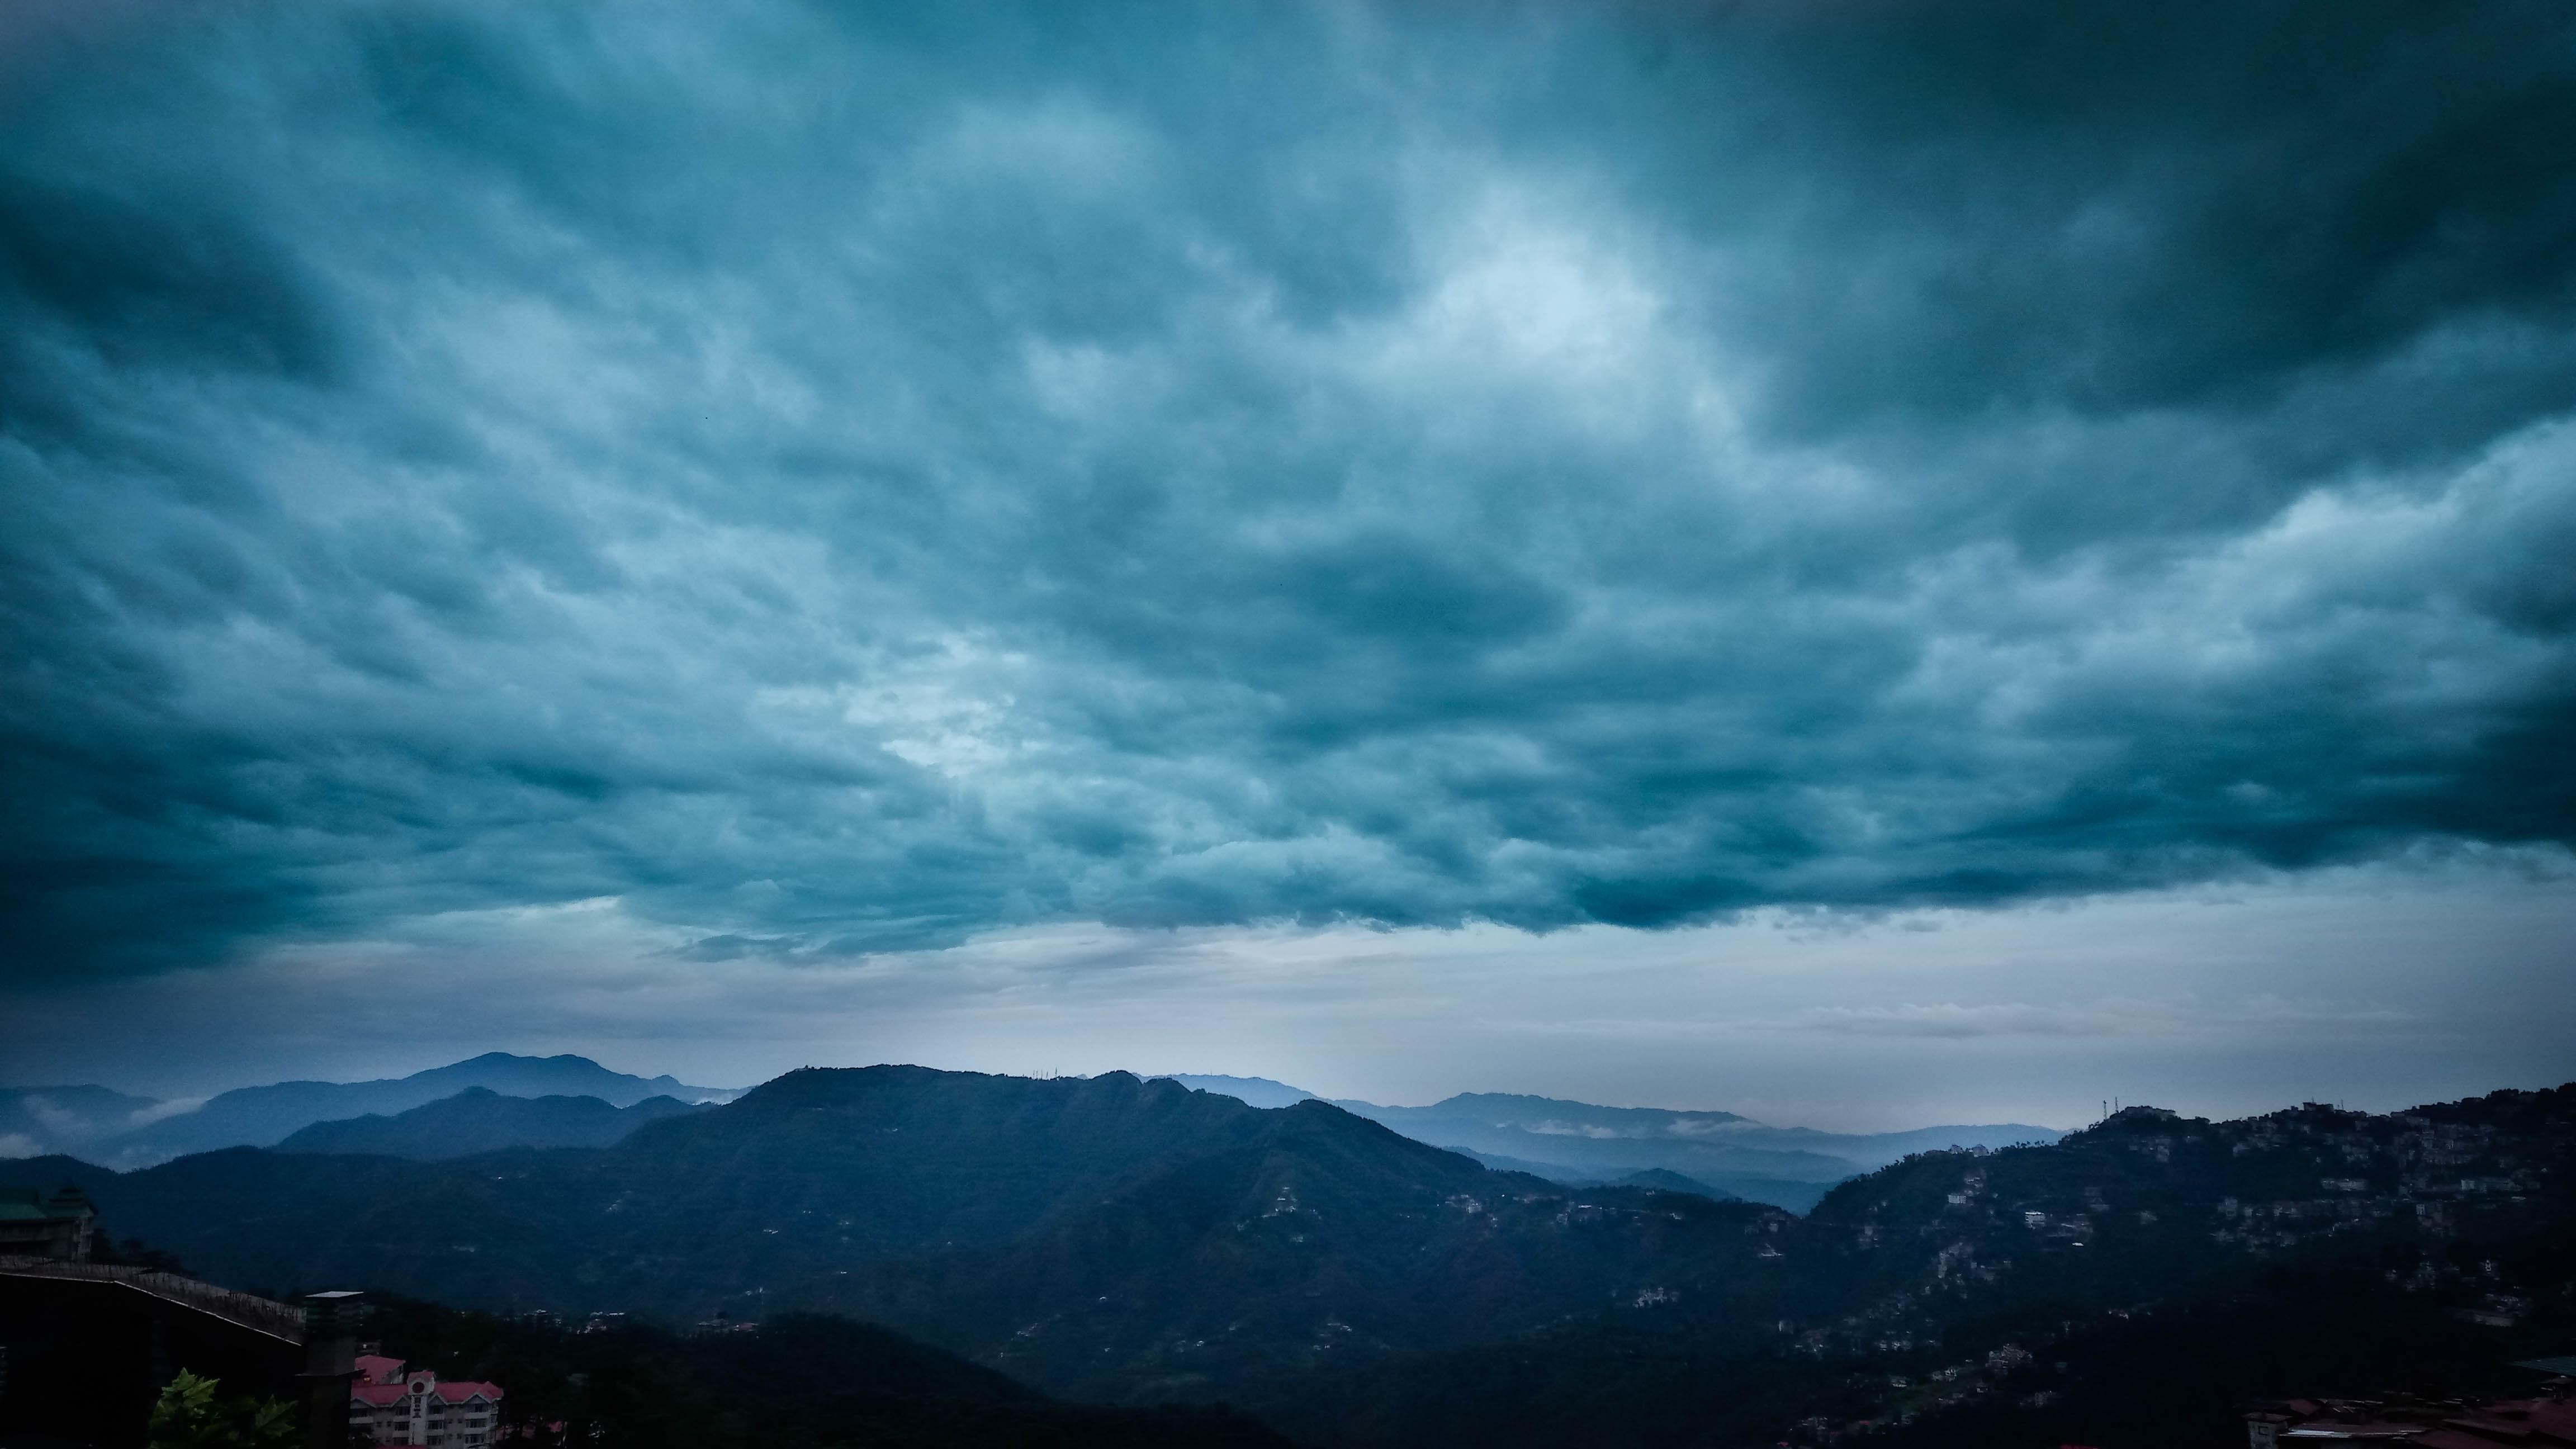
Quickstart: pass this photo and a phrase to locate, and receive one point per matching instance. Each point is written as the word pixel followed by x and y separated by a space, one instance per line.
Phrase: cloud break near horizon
pixel 787 498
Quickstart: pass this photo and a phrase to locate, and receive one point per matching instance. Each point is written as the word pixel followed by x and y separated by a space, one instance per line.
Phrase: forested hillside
pixel 1127 1240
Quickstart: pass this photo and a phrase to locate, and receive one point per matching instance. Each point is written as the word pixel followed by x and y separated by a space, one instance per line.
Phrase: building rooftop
pixel 383 1381
pixel 28 1205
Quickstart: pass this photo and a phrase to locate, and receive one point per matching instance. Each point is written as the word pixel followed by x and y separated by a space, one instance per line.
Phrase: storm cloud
pixel 838 479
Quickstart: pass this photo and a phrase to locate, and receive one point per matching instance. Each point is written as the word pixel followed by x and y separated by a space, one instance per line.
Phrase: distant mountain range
pixel 1254 1091
pixel 1579 1143
pixel 479 1119
pixel 61 1119
pixel 123 1131
pixel 1090 1235
pixel 1123 1239
pixel 1575 1143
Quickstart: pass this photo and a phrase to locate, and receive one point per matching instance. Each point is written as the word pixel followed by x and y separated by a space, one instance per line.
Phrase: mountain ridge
pixel 1581 1143
pixel 263 1116
pixel 1122 1239
pixel 478 1120
pixel 1566 1141
pixel 39 1119
pixel 1098 1235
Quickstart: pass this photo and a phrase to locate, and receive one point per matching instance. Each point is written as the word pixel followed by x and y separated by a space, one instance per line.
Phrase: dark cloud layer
pixel 842 479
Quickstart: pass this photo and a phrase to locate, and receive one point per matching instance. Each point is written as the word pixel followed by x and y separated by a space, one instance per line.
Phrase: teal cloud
pixel 843 480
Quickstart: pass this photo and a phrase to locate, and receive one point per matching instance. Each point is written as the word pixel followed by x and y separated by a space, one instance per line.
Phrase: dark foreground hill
pixel 796 1380
pixel 479 1119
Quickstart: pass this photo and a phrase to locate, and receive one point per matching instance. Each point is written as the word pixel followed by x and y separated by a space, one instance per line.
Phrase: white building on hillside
pixel 415 1408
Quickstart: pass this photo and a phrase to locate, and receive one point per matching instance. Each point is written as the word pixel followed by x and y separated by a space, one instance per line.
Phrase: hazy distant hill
pixel 1253 1091
pixel 36 1120
pixel 479 1119
pixel 1794 1195
pixel 1616 1140
pixel 1579 1134
pixel 1580 1143
pixel 261 1116
pixel 1665 1180
pixel 1806 1195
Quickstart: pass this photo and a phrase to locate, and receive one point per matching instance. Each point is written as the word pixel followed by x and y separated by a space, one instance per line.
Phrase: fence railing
pixel 262 1315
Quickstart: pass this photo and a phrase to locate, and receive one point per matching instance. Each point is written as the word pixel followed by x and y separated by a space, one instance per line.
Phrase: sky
pixel 1856 563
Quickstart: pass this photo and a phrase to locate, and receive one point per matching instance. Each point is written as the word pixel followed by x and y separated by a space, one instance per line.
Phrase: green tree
pixel 189 1416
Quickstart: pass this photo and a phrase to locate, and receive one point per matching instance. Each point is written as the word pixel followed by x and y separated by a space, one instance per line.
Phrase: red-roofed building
pixel 399 1407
